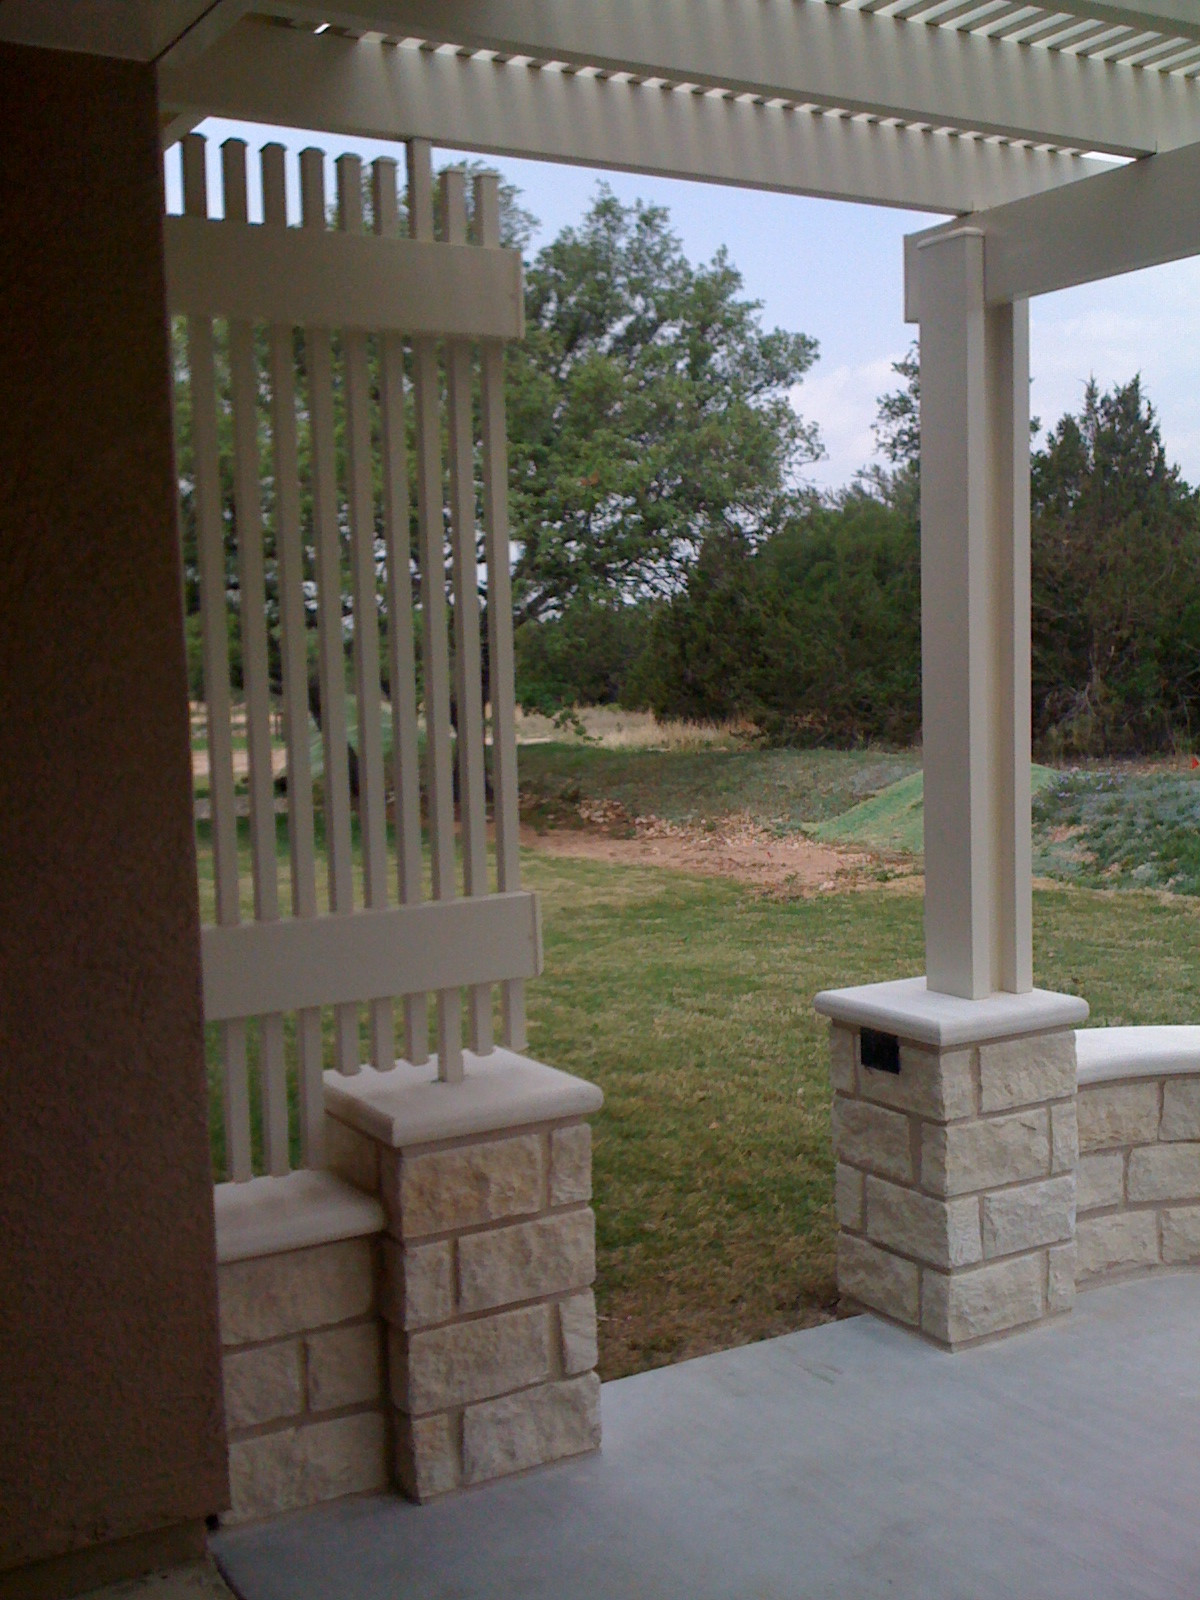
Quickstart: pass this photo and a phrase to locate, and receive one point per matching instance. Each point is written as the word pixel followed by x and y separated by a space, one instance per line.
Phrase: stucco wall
pixel 110 1412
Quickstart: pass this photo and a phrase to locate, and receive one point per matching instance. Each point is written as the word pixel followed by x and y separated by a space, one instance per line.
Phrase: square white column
pixel 974 624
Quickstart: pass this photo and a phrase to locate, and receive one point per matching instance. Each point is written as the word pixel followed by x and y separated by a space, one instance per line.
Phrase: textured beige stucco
pixel 110 1383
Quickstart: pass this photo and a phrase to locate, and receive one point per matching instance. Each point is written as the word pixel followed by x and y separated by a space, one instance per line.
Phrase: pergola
pixel 1002 115
pixel 995 112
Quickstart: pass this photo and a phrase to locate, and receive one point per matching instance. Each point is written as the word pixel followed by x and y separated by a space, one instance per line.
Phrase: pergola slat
pixel 286 76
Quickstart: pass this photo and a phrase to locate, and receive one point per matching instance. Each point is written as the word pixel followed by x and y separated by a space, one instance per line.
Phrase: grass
pixel 784 789
pixel 1121 829
pixel 894 818
pixel 688 1000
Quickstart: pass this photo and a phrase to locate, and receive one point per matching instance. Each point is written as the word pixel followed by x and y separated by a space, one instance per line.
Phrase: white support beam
pixel 974 627
pixel 134 30
pixel 1179 18
pixel 310 278
pixel 1126 219
pixel 264 73
pixel 809 52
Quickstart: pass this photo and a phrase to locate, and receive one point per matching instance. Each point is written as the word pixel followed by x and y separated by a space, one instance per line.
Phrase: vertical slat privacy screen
pixel 343 432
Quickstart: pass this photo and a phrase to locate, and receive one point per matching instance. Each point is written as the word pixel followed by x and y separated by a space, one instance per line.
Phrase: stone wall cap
pixel 408 1106
pixel 1107 1054
pixel 908 1008
pixel 268 1216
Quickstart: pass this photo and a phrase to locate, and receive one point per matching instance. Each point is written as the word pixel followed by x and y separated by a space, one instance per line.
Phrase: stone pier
pixel 954 1129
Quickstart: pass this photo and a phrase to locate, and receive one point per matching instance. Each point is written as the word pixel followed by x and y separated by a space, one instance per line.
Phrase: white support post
pixel 974 625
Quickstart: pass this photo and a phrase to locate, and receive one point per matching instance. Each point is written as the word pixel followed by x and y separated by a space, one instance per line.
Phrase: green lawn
pixel 688 1001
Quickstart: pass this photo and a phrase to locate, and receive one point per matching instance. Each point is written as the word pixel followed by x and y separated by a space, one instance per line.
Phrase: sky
pixel 835 271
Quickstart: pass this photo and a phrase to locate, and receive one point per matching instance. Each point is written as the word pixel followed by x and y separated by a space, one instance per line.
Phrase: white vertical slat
pixel 433 613
pixel 252 606
pixel 210 541
pixel 360 495
pixel 472 794
pixel 329 615
pixel 499 611
pixel 293 641
pixel 406 778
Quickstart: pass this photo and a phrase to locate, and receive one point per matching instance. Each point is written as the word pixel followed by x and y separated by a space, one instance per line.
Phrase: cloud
pixel 842 402
pixel 1147 322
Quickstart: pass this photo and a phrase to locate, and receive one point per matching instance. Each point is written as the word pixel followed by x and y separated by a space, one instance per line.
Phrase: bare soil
pixel 734 848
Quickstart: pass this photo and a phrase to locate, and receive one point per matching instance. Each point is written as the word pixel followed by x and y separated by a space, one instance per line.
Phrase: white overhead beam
pixel 263 73
pixel 804 51
pixel 1178 17
pixel 1123 220
pixel 134 30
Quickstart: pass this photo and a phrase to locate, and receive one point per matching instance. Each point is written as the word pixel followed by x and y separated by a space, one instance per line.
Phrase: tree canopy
pixel 649 412
pixel 1116 582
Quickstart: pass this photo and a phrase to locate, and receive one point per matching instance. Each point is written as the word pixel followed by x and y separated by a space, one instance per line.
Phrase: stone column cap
pixel 911 1010
pixel 408 1105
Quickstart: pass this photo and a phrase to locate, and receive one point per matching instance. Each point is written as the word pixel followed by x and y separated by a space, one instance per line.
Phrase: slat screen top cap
pixel 502 1090
pixel 269 1215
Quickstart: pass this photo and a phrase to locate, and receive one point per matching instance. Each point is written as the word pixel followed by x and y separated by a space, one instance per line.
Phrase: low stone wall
pixel 305 1405
pixel 1139 1139
pixel 421 1314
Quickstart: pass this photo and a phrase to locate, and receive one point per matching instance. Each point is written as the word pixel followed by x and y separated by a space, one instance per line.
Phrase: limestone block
pixel 985 1154
pixel 942 1232
pixel 1027 1071
pixel 571 1165
pixel 262 1385
pixel 843 1053
pixel 878 1279
pixel 1164 1172
pixel 302 1466
pixel 577 1327
pixel 524 1262
pixel 351 1155
pixel 872 1137
pixel 1116 1241
pixel 1062 1263
pixel 418 1283
pixel 849 1197
pixel 1064 1136
pixel 1181 1109
pixel 1181 1234
pixel 269 1297
pixel 1113 1114
pixel 960 1306
pixel 438 1191
pixel 467 1361
pixel 1031 1215
pixel 1101 1180
pixel 525 1430
pixel 941 1087
pixel 345 1367
pixel 426 1457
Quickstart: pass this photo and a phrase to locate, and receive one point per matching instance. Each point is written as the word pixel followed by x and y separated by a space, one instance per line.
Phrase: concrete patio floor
pixel 846 1462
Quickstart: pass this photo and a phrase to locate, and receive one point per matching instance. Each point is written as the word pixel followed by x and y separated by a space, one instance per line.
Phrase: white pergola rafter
pixel 811 53
pixel 260 72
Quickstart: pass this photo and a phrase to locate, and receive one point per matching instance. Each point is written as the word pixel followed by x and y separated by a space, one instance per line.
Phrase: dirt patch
pixel 734 848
